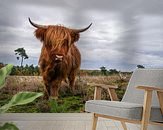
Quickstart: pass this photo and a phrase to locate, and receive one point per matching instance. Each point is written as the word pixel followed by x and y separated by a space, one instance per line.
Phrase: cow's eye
pixel 65 44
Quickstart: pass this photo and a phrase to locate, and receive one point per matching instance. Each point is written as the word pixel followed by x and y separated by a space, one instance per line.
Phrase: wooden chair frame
pixel 146 106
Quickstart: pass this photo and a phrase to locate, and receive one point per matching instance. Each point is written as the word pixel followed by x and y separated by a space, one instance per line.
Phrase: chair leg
pixel 146 110
pixel 124 125
pixel 144 126
pixel 94 122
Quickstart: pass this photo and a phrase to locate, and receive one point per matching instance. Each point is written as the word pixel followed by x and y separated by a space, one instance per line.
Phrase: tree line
pixel 31 70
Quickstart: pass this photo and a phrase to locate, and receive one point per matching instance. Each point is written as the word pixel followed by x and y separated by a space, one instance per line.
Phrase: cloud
pixel 124 33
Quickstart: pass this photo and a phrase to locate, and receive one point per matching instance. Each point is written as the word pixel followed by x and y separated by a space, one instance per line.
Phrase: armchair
pixel 142 102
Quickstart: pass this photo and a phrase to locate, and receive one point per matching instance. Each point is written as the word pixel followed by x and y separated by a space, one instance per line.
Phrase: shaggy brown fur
pixel 58 40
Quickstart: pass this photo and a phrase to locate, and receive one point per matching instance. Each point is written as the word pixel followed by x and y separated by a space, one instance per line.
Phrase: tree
pixel 103 70
pixel 113 71
pixel 1 65
pixel 21 54
pixel 140 66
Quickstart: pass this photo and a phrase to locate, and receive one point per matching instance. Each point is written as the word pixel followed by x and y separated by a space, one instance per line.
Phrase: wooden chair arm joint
pixel 109 88
pixel 112 94
pixel 97 93
pixel 149 88
pixel 104 86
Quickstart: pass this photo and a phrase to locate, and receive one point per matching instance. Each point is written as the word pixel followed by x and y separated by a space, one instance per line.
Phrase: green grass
pixel 62 105
pixel 67 104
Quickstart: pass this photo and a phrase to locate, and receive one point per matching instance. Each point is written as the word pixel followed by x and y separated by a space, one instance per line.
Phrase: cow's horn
pixel 37 25
pixel 82 30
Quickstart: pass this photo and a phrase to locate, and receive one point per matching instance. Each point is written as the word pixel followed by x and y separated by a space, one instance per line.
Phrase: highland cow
pixel 60 59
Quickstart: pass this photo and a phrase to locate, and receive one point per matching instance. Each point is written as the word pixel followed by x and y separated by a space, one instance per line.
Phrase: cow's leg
pixel 54 89
pixel 72 82
pixel 46 88
pixel 43 70
pixel 47 91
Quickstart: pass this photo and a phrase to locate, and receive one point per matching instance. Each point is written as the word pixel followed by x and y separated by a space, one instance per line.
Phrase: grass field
pixel 67 102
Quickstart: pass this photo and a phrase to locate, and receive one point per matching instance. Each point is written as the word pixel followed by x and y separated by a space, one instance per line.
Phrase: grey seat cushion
pixel 125 110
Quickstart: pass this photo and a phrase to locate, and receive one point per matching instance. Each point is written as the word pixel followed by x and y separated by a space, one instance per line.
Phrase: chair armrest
pixel 149 88
pixel 109 88
pixel 105 86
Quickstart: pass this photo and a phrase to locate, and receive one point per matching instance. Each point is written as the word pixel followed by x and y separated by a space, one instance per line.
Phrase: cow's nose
pixel 58 57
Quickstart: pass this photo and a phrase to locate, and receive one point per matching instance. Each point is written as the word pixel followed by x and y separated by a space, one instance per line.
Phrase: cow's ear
pixel 40 34
pixel 75 36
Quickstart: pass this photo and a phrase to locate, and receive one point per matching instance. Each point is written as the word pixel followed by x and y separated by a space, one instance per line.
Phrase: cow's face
pixel 57 40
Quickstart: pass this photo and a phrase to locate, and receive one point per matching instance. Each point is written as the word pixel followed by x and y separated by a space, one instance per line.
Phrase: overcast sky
pixel 124 33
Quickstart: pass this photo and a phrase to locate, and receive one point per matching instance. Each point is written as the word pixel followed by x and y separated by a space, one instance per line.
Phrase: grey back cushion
pixel 147 77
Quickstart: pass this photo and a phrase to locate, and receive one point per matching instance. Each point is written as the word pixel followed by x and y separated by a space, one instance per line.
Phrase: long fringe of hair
pixel 56 35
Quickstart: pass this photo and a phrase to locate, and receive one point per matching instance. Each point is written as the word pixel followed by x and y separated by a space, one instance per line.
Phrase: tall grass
pixel 68 102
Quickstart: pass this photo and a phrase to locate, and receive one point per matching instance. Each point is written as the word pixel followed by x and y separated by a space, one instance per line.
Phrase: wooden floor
pixel 57 121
